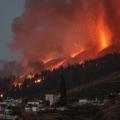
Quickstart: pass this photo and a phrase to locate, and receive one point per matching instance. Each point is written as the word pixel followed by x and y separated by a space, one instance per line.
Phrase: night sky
pixel 9 9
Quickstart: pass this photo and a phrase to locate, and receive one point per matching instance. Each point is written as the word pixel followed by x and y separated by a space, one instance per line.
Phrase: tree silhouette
pixel 63 92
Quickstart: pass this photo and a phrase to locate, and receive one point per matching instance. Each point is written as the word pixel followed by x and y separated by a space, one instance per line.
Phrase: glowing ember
pixel 17 84
pixel 38 81
pixel 30 76
pixel 1 95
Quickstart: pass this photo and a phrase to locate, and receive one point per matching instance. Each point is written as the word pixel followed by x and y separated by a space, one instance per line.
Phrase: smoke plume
pixel 67 31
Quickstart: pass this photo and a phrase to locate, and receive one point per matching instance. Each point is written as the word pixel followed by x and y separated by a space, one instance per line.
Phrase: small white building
pixel 51 98
pixel 10 101
pixel 33 103
pixel 32 107
pixel 83 101
pixel 61 108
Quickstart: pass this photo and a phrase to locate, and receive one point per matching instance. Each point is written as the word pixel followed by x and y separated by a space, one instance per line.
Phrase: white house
pixel 51 98
pixel 83 101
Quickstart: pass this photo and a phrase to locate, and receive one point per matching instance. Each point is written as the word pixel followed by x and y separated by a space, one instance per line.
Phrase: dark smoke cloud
pixel 56 28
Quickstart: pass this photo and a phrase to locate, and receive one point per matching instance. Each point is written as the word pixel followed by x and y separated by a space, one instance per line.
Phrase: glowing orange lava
pixel 57 65
pixel 104 37
pixel 104 42
pixel 104 34
pixel 47 60
pixel 73 55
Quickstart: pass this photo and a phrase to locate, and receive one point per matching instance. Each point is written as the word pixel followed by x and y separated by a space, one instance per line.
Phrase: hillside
pixel 92 78
pixel 98 88
pixel 110 111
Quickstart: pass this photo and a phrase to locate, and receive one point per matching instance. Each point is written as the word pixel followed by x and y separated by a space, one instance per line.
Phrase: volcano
pixel 51 33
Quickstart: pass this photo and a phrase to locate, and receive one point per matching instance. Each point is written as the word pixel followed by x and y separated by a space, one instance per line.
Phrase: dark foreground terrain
pixel 56 116
pixel 110 111
pixel 83 113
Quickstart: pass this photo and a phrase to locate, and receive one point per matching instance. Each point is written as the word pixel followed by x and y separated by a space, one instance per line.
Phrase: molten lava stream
pixel 57 65
pixel 74 54
pixel 104 36
pixel 104 40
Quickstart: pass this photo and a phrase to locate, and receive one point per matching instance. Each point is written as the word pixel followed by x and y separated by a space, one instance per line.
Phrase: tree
pixel 63 92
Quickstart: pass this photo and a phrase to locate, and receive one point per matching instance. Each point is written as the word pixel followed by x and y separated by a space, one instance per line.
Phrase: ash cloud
pixel 57 28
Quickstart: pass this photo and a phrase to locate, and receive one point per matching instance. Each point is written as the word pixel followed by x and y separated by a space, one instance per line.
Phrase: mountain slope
pixel 99 88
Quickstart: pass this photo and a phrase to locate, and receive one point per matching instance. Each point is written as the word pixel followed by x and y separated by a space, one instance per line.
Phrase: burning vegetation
pixel 103 73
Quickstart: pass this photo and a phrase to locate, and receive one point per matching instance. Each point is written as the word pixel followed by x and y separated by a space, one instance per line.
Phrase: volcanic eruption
pixel 51 33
